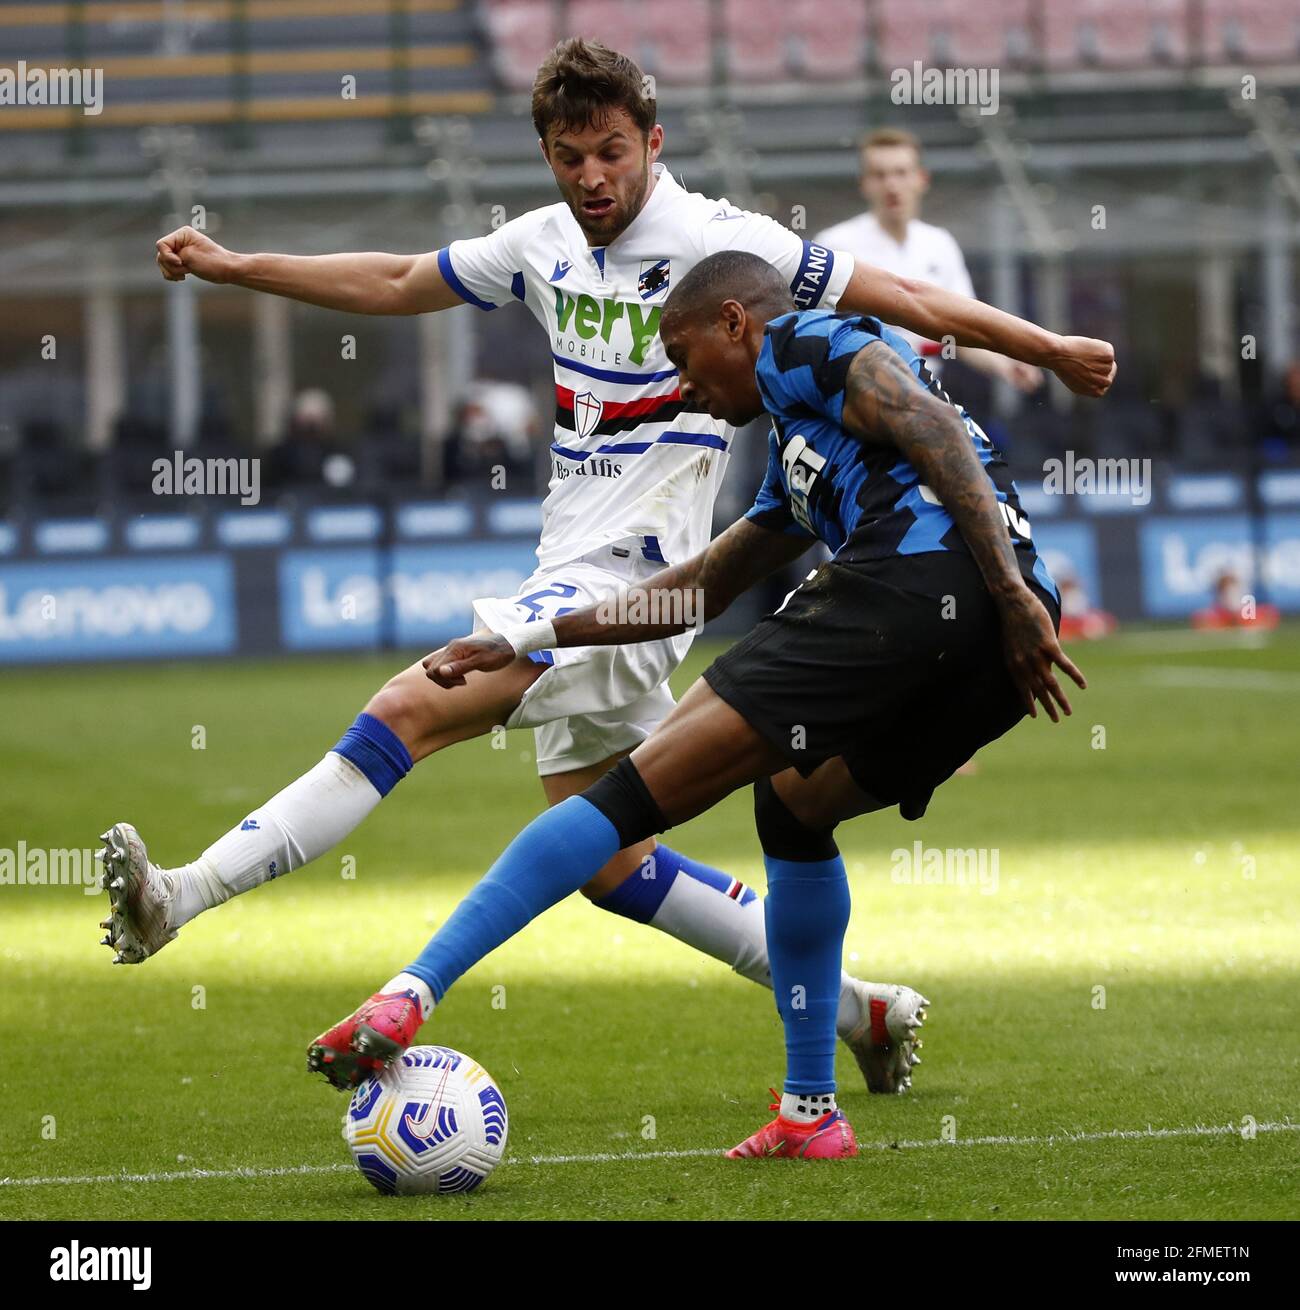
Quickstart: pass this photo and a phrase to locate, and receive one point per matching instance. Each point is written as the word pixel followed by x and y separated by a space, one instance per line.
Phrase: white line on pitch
pixel 178 1175
pixel 1200 676
pixel 1163 640
pixel 618 1157
pixel 1053 1139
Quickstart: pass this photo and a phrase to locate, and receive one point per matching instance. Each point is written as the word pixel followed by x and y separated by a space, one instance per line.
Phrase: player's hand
pixel 484 650
pixel 1031 649
pixel 1084 364
pixel 188 251
pixel 1024 377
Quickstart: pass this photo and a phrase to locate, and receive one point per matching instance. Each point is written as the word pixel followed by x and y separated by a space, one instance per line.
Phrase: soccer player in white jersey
pixel 634 475
pixel 892 236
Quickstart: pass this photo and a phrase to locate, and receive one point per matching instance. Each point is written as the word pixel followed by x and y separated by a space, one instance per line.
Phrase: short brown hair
pixel 889 136
pixel 581 83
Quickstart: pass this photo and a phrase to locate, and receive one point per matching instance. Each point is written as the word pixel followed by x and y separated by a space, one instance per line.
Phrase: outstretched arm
pixel 885 405
pixel 671 601
pixel 363 283
pixel 1085 365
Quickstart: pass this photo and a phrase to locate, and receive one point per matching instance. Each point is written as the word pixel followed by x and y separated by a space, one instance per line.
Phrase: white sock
pixel 806 1108
pixel 296 825
pixel 705 918
pixel 850 1011
pixel 408 982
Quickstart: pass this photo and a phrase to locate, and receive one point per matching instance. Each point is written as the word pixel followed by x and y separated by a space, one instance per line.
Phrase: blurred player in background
pixel 891 235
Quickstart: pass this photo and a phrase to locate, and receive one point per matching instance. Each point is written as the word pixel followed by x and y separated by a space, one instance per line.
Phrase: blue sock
pixel 642 892
pixel 377 751
pixel 807 913
pixel 558 852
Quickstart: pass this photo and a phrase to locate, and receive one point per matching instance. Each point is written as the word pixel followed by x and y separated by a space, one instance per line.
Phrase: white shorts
pixel 593 701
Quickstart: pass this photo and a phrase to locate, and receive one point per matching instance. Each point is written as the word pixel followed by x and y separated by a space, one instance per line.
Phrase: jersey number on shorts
pixel 557 591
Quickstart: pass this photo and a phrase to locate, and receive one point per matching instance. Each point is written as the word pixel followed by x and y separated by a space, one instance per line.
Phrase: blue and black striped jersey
pixel 865 502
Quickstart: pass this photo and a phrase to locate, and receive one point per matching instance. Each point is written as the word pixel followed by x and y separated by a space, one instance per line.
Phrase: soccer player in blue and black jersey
pixel 930 632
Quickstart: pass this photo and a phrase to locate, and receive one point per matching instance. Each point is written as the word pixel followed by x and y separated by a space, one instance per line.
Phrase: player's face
pixel 715 366
pixel 603 172
pixel 893 182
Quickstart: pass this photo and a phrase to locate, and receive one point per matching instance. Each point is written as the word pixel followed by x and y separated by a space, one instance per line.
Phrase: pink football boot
pixel 367 1040
pixel 827 1138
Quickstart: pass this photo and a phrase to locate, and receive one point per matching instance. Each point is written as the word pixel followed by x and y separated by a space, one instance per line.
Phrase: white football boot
pixel 885 1042
pixel 140 897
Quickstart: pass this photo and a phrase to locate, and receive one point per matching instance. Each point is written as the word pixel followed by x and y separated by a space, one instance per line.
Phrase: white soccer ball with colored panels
pixel 433 1121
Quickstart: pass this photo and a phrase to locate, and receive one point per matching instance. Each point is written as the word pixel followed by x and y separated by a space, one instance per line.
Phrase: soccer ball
pixel 433 1121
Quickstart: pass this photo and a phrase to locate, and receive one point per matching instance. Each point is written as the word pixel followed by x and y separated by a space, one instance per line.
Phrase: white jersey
pixel 927 253
pixel 629 458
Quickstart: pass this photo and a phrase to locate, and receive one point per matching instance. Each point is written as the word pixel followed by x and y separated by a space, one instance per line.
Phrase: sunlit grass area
pixel 1125 959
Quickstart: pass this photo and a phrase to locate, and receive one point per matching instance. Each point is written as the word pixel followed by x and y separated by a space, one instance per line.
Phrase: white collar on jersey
pixel 881 231
pixel 659 197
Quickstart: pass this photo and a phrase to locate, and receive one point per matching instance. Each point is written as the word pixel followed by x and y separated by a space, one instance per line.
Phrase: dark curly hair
pixel 581 83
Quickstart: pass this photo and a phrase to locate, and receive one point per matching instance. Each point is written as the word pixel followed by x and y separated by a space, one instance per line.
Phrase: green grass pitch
pixel 1162 868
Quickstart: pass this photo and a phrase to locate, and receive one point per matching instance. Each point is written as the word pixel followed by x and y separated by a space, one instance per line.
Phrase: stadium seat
pixel 948 26
pixel 997 34
pixel 755 33
pixel 53 468
pixel 1131 34
pixel 992 34
pixel 830 38
pixel 956 32
pixel 1208 433
pixel 963 36
pixel 1069 35
pixel 41 36
pixel 673 44
pixel 1258 30
pixel 1060 45
pixel 901 38
pixel 1123 34
pixel 615 23
pixel 281 64
pixel 1171 31
pixel 1116 33
pixel 523 33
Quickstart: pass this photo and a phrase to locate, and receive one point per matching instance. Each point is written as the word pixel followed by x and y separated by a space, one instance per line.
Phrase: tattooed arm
pixel 884 404
pixel 679 597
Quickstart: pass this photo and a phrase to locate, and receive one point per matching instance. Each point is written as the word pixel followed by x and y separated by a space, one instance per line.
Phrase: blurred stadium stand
pixel 244 61
pixel 323 125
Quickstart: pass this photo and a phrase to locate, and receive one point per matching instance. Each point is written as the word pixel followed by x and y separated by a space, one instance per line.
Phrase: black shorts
pixel 894 664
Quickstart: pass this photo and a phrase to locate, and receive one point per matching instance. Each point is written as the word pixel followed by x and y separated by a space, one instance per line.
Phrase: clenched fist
pixel 1085 365
pixel 188 251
